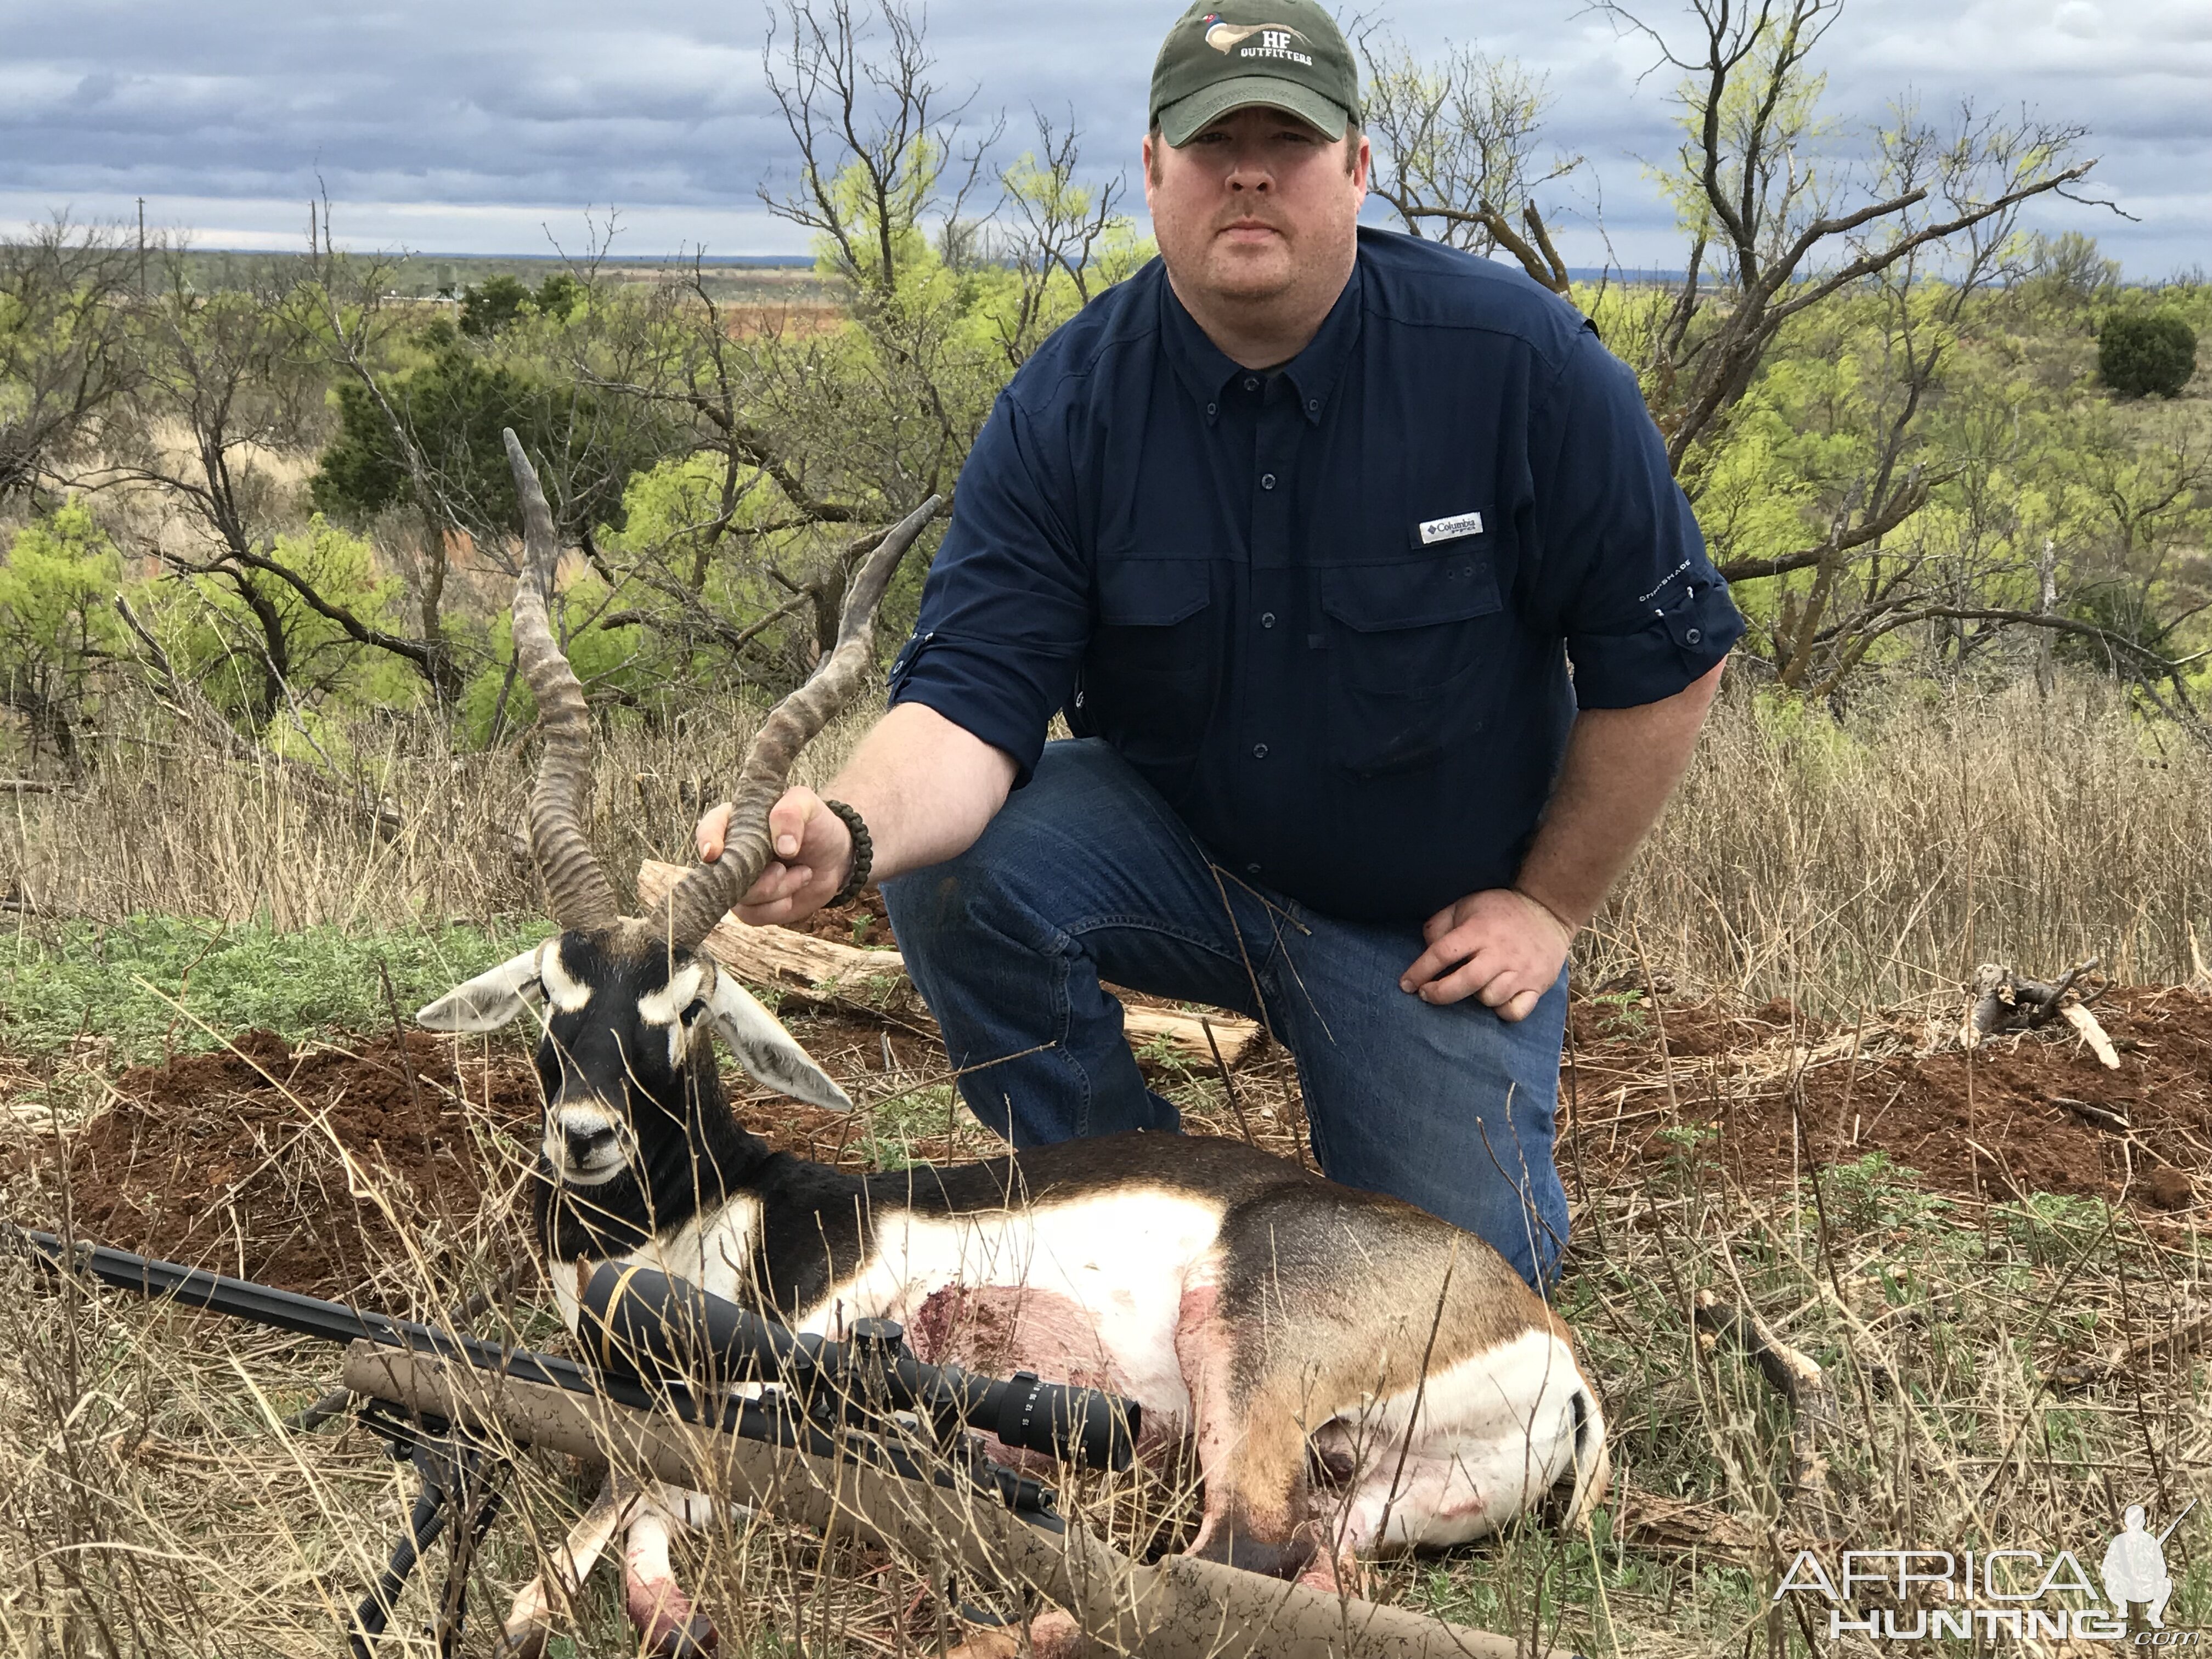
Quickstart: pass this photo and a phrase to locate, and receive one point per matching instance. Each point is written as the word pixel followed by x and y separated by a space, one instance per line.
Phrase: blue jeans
pixel 1086 874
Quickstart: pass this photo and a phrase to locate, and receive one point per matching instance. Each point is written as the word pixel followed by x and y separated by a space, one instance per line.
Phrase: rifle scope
pixel 648 1324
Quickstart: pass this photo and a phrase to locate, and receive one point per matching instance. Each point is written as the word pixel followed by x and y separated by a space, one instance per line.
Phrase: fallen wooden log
pixel 1181 1609
pixel 2003 1001
pixel 1795 1376
pixel 780 956
pixel 2086 1026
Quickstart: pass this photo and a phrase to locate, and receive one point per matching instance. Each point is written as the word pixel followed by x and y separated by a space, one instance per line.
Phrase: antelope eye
pixel 690 1017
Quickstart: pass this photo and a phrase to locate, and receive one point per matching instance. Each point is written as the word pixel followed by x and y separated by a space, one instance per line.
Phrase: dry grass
pixel 1859 866
pixel 1848 866
pixel 149 1503
pixel 168 823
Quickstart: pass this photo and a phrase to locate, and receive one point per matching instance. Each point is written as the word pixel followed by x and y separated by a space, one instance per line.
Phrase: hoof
pixel 528 1643
pixel 695 1639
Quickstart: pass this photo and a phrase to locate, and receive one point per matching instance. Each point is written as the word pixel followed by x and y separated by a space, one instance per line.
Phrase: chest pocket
pixel 1148 679
pixel 1407 641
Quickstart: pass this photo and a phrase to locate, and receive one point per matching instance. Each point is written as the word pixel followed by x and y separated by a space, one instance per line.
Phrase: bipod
pixel 456 1477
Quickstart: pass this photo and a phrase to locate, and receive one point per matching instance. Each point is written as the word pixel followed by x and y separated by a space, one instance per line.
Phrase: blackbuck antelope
pixel 1354 1376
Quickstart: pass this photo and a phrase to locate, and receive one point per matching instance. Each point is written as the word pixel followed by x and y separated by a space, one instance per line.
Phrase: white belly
pixel 1113 1265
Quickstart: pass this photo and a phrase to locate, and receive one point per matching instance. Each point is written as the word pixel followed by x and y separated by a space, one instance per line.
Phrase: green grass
pixel 153 983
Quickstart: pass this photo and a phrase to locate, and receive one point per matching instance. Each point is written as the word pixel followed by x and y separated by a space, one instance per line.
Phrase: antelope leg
pixel 667 1624
pixel 530 1618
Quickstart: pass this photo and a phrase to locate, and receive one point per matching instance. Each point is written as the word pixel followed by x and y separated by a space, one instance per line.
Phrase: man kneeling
pixel 1300 527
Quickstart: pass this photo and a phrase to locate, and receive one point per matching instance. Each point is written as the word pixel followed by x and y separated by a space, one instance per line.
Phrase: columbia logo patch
pixel 1445 530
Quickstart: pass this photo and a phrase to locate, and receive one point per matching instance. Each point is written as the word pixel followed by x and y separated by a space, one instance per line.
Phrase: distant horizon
pixel 805 261
pixel 780 261
pixel 453 128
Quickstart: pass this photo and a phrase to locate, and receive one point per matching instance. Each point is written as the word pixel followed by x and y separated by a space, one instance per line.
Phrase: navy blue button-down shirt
pixel 1322 609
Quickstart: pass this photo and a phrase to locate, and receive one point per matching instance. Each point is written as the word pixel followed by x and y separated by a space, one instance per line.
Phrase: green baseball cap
pixel 1224 55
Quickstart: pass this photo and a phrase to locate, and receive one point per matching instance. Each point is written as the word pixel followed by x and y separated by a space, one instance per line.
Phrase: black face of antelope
pixel 637 1135
pixel 625 1060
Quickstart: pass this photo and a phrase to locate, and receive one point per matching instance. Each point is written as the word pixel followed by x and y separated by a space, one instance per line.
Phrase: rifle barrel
pixel 307 1315
pixel 777 1424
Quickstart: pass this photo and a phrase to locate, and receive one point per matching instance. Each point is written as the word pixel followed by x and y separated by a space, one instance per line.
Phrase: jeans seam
pixel 1146 924
pixel 1064 1019
pixel 1062 950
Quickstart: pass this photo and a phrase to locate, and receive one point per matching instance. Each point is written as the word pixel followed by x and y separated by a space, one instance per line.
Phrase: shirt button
pixel 1251 383
pixel 1313 405
pixel 1266 481
pixel 1258 751
pixel 1209 411
pixel 1251 869
pixel 1693 635
pixel 1267 619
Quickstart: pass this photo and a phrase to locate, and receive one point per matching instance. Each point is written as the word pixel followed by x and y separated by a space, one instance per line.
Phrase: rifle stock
pixel 1182 1609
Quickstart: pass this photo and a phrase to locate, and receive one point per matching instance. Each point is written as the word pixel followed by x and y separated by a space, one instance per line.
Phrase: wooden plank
pixel 782 956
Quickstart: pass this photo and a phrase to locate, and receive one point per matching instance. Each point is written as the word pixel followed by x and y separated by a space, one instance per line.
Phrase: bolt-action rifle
pixel 653 1344
pixel 859 1438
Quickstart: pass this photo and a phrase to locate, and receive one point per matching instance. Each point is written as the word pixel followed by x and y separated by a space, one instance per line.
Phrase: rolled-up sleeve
pixel 1007 610
pixel 1617 562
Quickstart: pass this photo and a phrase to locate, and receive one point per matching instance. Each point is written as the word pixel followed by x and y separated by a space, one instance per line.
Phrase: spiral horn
pixel 692 907
pixel 578 889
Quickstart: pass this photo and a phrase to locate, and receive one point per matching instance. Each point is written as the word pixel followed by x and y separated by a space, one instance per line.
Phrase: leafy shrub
pixel 217 634
pixel 491 305
pixel 453 407
pixel 2138 356
pixel 57 625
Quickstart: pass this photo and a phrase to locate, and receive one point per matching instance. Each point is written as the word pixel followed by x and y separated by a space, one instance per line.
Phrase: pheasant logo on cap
pixel 1222 36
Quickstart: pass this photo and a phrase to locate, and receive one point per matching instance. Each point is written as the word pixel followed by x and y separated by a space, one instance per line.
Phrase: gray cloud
pixel 473 126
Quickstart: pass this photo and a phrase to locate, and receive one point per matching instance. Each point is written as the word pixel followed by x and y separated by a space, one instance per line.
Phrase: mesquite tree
pixel 806 429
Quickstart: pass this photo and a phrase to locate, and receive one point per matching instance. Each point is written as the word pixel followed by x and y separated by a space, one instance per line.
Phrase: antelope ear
pixel 490 999
pixel 765 1049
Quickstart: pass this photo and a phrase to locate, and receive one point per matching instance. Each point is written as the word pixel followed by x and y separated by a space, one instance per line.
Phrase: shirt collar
pixel 1205 369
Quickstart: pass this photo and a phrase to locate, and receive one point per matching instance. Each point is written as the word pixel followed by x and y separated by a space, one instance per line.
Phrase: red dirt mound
pixel 2021 1114
pixel 301 1167
pixel 295 1167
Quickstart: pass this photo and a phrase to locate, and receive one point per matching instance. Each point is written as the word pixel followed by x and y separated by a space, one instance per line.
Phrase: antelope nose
pixel 586 1145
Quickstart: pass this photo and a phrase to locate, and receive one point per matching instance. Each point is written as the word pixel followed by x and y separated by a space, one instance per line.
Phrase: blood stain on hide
pixel 997 1329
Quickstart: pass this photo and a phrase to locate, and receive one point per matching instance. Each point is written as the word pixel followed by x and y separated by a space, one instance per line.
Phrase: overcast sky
pixel 480 125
